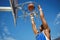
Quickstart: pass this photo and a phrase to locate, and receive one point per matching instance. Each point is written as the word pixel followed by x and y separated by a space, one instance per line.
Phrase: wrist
pixel 32 17
pixel 40 9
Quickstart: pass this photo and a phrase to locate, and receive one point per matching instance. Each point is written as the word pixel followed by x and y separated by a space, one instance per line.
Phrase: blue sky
pixel 23 29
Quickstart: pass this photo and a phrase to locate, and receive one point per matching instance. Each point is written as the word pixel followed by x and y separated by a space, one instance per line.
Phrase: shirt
pixel 40 36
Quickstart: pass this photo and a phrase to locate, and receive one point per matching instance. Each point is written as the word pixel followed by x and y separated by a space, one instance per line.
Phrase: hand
pixel 39 7
pixel 31 14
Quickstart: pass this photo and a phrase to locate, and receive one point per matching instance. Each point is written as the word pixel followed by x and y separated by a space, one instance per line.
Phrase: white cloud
pixel 57 19
pixel 6 30
pixel 55 36
pixel 58 15
pixel 9 38
pixel 6 35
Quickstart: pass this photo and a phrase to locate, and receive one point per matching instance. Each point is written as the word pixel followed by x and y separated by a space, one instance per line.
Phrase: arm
pixel 45 25
pixel 42 18
pixel 33 24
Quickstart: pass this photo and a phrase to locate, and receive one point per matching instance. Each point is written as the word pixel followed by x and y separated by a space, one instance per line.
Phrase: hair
pixel 41 27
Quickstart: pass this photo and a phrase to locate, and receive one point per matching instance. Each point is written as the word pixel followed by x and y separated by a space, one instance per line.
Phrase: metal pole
pixel 5 9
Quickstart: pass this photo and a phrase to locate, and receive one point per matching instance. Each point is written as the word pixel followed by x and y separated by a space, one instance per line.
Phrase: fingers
pixel 31 14
pixel 39 7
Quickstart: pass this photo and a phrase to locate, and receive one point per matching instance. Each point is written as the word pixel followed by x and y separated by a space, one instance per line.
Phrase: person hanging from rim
pixel 44 33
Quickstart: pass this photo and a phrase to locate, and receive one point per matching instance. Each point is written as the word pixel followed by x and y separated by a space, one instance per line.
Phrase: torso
pixel 40 36
pixel 47 33
pixel 44 35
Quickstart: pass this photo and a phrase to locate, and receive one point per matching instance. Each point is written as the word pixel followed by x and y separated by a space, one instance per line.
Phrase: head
pixel 41 28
